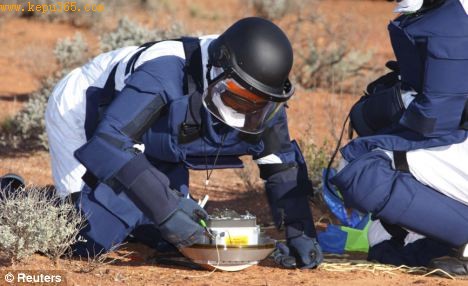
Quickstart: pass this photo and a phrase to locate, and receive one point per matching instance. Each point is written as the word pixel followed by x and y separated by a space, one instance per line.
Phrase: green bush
pixel 331 66
pixel 317 158
pixel 29 123
pixel 26 130
pixel 271 9
pixel 250 176
pixel 129 33
pixel 71 52
pixel 35 220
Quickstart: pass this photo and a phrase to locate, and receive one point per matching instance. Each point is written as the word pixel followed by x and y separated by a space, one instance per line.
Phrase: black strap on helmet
pixel 105 98
pixel 130 68
pixel 191 128
pixel 193 77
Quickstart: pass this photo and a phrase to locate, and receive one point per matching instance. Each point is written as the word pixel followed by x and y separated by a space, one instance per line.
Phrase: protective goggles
pixel 229 101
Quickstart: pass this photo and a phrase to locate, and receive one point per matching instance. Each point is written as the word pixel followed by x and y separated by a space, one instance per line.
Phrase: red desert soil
pixel 26 56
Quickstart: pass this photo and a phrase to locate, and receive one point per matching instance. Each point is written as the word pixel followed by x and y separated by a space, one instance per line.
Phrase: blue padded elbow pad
pixel 133 112
pixel 144 185
pixel 102 157
pixel 148 189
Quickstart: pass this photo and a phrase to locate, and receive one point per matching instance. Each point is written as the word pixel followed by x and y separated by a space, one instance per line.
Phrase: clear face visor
pixel 238 107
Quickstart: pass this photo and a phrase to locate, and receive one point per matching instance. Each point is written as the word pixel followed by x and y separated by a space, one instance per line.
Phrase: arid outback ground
pixel 316 115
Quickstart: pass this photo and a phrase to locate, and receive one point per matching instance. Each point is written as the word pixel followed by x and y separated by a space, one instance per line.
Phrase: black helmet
pixel 255 57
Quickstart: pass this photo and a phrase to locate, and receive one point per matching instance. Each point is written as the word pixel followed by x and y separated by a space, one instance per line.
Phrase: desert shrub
pixel 324 53
pixel 26 130
pixel 95 261
pixel 317 158
pixel 154 5
pixel 331 66
pixel 249 176
pixel 71 52
pixel 29 123
pixel 35 220
pixel 129 33
pixel 271 9
pixel 195 11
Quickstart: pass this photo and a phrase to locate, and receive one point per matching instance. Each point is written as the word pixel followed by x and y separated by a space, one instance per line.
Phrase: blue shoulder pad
pixel 163 73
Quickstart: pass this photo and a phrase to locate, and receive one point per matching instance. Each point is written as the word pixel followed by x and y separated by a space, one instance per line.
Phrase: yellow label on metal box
pixel 236 235
pixel 236 240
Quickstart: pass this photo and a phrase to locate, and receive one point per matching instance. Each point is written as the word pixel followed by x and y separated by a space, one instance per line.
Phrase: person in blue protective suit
pixel 409 165
pixel 125 129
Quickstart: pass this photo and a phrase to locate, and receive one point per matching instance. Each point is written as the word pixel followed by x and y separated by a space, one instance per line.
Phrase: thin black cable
pixel 327 173
pixel 210 172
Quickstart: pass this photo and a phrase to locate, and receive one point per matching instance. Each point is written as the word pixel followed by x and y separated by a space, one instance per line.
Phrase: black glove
pixel 385 81
pixel 182 228
pixel 191 208
pixel 300 252
pixel 377 111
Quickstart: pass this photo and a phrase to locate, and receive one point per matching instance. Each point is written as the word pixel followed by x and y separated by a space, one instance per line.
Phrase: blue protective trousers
pixel 370 184
pixel 104 228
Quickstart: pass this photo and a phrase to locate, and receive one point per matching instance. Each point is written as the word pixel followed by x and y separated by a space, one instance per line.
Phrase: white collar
pixel 464 4
pixel 408 6
pixel 204 43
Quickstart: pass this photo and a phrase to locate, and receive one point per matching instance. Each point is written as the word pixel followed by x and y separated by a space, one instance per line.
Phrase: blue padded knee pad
pixel 104 229
pixel 370 184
